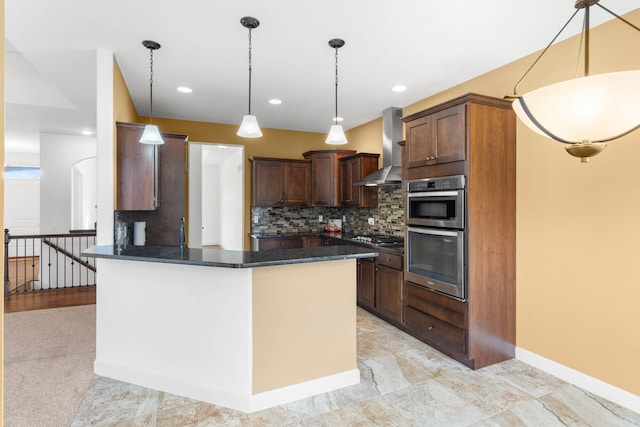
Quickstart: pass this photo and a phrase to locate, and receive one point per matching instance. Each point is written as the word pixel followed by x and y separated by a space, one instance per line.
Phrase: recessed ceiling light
pixel 338 119
pixel 184 89
pixel 86 132
pixel 275 101
pixel 399 88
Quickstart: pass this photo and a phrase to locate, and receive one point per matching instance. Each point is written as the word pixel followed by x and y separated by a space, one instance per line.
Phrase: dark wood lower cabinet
pixel 380 282
pixel 276 243
pixel 366 283
pixel 293 241
pixel 438 320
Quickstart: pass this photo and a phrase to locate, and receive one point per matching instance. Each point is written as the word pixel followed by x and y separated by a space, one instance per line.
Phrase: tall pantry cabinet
pixel 475 136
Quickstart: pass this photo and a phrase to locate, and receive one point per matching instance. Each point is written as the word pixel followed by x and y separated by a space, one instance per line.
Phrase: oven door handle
pixel 434 194
pixel 422 230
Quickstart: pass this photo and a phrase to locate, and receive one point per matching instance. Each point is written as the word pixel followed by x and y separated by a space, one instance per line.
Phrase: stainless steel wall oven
pixel 435 246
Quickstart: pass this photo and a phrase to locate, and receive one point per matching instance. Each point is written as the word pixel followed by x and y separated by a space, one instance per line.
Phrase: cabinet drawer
pixel 285 243
pixel 441 335
pixel 311 242
pixel 438 306
pixel 390 260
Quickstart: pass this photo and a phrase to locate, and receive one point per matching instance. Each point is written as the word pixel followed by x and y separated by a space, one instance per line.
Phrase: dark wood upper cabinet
pixel 280 182
pixel 325 176
pixel 137 175
pixel 149 175
pixel 152 178
pixel 436 138
pixel 353 169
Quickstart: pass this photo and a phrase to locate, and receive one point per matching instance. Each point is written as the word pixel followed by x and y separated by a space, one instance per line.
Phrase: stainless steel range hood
pixel 391 172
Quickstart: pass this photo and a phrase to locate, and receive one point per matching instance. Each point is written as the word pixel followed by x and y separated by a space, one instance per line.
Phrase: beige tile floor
pixel 403 383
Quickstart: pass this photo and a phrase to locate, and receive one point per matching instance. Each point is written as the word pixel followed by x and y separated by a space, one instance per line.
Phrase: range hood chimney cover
pixel 391 171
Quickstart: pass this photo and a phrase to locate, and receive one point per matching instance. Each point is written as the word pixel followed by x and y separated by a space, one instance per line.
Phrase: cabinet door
pixel 267 183
pixel 347 193
pixel 163 230
pixel 449 134
pixel 366 282
pixel 324 185
pixel 296 183
pixel 352 170
pixel 388 293
pixel 419 142
pixel 437 138
pixel 137 183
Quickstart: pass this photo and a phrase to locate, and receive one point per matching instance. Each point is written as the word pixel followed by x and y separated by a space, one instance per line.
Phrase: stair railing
pixel 47 261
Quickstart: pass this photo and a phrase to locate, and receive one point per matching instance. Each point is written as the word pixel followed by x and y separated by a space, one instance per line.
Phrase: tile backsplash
pixel 388 217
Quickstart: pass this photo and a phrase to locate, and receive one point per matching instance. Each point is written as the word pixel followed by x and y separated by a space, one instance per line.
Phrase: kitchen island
pixel 245 330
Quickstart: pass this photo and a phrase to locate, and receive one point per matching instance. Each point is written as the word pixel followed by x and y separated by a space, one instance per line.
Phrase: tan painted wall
pixel 577 237
pixel 2 202
pixel 304 322
pixel 123 108
pixel 123 111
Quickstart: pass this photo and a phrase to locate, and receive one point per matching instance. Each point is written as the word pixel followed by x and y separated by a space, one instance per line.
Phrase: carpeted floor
pixel 48 364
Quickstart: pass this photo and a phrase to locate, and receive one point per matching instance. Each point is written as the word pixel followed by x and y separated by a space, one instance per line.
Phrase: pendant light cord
pixel 249 71
pixel 150 85
pixel 336 117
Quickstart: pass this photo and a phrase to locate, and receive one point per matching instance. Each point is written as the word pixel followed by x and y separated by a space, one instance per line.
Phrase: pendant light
pixel 586 112
pixel 249 127
pixel 336 133
pixel 151 134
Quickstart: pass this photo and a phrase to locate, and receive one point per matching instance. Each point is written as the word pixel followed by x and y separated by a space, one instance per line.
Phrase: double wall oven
pixel 435 243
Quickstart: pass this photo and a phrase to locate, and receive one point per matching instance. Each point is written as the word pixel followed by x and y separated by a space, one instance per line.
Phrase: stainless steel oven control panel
pixel 455 182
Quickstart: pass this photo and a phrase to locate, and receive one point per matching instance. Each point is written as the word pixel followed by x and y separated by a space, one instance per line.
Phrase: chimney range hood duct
pixel 391 172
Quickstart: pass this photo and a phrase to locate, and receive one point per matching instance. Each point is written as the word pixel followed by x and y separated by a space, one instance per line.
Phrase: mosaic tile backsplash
pixel 388 217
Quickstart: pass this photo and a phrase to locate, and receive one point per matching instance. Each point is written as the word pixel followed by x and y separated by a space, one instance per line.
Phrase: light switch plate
pixel 319 218
pixel 372 221
pixel 256 219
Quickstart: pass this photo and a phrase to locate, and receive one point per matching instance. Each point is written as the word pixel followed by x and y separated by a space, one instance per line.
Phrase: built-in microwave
pixel 436 202
pixel 435 259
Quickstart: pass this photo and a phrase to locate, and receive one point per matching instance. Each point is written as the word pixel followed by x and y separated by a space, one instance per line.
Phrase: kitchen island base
pixel 243 338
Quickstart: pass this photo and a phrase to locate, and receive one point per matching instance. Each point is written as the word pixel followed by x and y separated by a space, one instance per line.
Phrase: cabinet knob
pixel 430 327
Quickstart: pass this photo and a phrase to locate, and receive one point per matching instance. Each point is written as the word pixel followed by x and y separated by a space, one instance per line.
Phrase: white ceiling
pixel 427 45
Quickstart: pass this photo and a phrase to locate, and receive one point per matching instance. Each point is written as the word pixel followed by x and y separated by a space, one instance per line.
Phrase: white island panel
pixel 182 329
pixel 244 338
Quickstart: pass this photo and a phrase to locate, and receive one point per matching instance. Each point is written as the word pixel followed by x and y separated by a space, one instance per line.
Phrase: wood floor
pixel 50 299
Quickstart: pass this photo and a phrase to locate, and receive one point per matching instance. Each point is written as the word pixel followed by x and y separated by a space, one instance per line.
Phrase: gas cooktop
pixel 379 240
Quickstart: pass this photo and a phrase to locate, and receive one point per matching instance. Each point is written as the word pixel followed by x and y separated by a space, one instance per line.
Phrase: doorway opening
pixel 216 196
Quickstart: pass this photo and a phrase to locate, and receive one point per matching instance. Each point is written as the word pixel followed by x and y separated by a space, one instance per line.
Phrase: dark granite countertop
pixel 229 259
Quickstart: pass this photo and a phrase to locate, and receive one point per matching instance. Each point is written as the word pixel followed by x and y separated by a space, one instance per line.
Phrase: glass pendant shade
pixel 249 127
pixel 597 108
pixel 336 136
pixel 151 135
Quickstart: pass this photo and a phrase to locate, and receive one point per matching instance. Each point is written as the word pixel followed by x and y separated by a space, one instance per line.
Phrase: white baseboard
pixel 303 390
pixel 241 402
pixel 593 385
